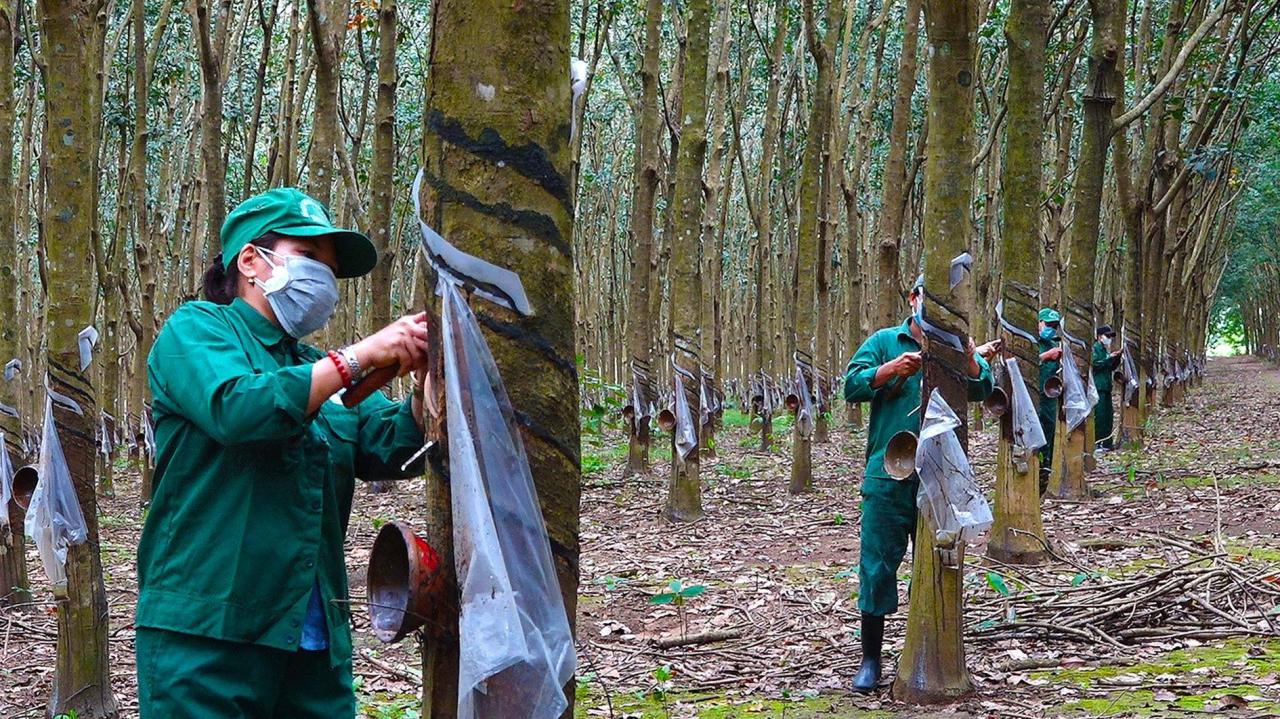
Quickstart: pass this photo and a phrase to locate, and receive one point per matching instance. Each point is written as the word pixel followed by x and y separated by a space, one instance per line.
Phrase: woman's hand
pixel 403 342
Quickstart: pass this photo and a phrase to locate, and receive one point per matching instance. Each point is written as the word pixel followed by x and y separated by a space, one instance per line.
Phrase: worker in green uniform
pixel 242 603
pixel 1050 348
pixel 1103 363
pixel 889 505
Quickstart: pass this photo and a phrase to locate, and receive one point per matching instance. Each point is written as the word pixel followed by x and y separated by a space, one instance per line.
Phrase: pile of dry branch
pixel 1201 594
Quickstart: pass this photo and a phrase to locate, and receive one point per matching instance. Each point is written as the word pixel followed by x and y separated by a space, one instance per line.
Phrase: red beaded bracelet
pixel 343 371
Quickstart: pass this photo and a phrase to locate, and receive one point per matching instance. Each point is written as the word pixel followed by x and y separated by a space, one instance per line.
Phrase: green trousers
pixel 1048 414
pixel 1104 419
pixel 888 525
pixel 183 675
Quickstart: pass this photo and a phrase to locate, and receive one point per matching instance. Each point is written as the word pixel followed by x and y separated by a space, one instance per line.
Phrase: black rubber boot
pixel 868 677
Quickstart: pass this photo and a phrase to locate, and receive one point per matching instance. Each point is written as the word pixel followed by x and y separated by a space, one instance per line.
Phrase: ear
pixel 245 261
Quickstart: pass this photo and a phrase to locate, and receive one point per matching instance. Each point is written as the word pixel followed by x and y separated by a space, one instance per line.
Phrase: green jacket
pixel 252 495
pixel 1048 368
pixel 890 415
pixel 1103 366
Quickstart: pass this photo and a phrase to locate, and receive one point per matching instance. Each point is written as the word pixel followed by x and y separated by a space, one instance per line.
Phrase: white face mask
pixel 301 291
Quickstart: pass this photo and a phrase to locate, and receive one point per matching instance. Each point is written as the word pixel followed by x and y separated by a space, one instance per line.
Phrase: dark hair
pixel 221 285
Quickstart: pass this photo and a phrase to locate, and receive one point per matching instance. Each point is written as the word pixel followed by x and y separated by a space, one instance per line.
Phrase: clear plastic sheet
pixel 686 432
pixel 6 482
pixel 54 520
pixel 1075 399
pixel 516 649
pixel 949 495
pixel 1130 375
pixel 804 415
pixel 1027 432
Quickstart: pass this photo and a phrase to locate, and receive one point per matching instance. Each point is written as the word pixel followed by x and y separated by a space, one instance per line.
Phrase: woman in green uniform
pixel 242 585
pixel 889 505
pixel 1050 361
pixel 1103 363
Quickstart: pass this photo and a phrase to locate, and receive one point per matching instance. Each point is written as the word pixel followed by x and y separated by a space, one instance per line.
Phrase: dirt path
pixel 780 572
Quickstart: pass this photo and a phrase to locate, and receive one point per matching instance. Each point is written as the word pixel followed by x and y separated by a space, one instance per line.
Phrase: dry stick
pixel 699 638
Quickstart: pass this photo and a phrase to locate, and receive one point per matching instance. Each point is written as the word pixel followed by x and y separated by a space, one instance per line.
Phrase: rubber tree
pixel 932 666
pixel 893 200
pixel 14 586
pixel 327 20
pixel 760 204
pixel 1017 534
pixel 71 33
pixel 382 179
pixel 496 184
pixel 1067 478
pixel 647 175
pixel 684 491
pixel 211 37
pixel 804 342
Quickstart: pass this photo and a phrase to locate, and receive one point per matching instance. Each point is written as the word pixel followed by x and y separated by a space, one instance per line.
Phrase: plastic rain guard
pixel 517 653
pixel 1027 432
pixel 6 482
pixel 686 434
pixel 949 495
pixel 54 521
pixel 1075 399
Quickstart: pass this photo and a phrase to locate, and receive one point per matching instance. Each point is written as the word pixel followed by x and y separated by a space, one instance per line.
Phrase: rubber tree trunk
pixel 647 176
pixel 72 34
pixel 382 180
pixel 1067 478
pixel 212 44
pixel 496 185
pixel 762 216
pixel 327 20
pixel 1016 535
pixel 932 666
pixel 808 245
pixel 14 587
pixel 889 305
pixel 684 492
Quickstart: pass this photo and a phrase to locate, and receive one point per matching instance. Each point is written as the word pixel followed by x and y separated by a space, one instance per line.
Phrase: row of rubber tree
pixel 1127 219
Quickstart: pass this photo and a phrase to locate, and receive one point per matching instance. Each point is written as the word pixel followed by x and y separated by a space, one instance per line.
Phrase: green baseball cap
pixel 1048 314
pixel 293 213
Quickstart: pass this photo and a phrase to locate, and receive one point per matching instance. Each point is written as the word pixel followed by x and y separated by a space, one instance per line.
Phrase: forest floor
pixel 1198 509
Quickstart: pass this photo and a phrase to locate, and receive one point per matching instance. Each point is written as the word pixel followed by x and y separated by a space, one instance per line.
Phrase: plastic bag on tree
pixel 516 649
pixel 1075 399
pixel 949 495
pixel 804 414
pixel 6 482
pixel 1027 432
pixel 54 520
pixel 686 434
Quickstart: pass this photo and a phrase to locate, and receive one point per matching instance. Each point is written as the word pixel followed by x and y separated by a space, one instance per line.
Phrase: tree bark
pixel 497 185
pixel 327 20
pixel 1067 480
pixel 647 176
pixel 808 267
pixel 212 45
pixel 1018 525
pixel 932 666
pixel 14 585
pixel 893 203
pixel 684 492
pixel 71 31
